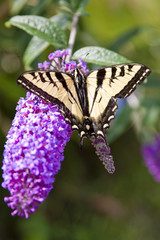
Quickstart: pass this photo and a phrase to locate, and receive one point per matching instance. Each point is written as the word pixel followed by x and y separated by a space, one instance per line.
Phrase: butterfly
pixel 88 101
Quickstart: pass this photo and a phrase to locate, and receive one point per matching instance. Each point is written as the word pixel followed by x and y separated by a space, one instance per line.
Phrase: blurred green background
pixel 86 202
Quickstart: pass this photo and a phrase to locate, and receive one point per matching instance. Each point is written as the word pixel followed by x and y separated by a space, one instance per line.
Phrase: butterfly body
pixel 88 101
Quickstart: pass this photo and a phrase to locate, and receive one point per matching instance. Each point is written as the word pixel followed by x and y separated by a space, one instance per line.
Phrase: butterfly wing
pixel 105 85
pixel 54 87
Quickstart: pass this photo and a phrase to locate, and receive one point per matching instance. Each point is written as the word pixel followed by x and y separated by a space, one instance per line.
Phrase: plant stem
pixel 72 36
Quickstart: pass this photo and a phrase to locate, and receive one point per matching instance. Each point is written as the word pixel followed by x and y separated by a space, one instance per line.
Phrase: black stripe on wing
pixel 138 78
pixel 100 77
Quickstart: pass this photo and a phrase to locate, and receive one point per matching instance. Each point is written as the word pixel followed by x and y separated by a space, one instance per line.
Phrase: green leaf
pixel 40 27
pixel 36 46
pixel 81 7
pixel 65 3
pixel 17 6
pixel 73 6
pixel 99 56
pixel 66 6
pixel 61 20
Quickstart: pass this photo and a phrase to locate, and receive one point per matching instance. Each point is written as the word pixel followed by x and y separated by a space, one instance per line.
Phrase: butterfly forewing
pixel 53 87
pixel 119 80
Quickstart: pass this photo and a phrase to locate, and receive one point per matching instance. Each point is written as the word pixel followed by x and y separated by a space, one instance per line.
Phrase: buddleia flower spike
pixel 33 153
pixel 34 150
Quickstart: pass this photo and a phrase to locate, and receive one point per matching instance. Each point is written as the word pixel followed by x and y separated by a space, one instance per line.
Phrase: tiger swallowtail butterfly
pixel 88 101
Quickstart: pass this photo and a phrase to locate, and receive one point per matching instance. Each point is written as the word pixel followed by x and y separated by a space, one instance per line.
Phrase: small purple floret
pixel 151 155
pixel 33 153
pixel 58 54
pixel 45 65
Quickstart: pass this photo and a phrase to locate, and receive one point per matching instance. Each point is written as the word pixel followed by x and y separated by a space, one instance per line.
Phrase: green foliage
pixel 36 46
pixel 99 56
pixel 40 27
pixel 17 6
pixel 46 31
pixel 74 6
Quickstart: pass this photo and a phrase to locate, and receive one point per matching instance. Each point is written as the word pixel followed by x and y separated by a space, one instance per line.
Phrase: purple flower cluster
pixel 103 151
pixel 33 153
pixel 57 61
pixel 151 155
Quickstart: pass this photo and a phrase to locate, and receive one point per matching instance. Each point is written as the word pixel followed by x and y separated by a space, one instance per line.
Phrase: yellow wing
pixel 53 87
